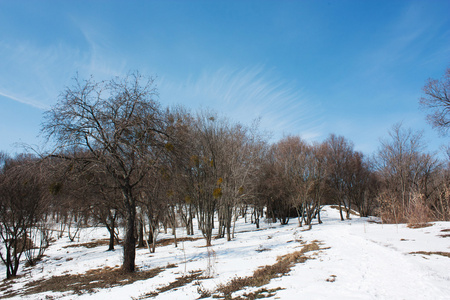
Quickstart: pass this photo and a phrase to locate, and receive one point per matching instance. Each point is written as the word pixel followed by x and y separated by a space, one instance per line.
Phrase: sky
pixel 308 68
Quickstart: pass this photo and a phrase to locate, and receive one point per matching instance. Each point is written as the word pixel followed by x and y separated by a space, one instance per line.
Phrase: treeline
pixel 121 160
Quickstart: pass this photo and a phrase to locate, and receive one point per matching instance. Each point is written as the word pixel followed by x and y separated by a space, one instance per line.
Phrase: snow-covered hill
pixel 357 259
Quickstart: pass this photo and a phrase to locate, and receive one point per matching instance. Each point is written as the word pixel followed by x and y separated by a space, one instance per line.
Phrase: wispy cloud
pixel 34 75
pixel 247 94
pixel 27 101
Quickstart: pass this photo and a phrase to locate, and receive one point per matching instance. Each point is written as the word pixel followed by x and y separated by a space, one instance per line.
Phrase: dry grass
pixel 105 242
pixel 352 212
pixel 259 294
pixel 85 283
pixel 180 281
pixel 7 287
pixel 445 235
pixel 446 254
pixel 170 241
pixel 264 274
pixel 418 225
pixel 92 244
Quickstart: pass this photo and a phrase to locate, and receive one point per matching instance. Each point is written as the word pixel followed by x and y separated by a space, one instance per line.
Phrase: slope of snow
pixel 358 260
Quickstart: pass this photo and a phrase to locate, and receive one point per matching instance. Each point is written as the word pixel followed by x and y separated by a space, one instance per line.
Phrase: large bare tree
pixel 120 125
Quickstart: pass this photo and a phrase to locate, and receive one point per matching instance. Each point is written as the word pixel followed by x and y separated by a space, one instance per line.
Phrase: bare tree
pixel 293 158
pixel 20 208
pixel 364 185
pixel 319 173
pixel 283 179
pixel 437 101
pixel 441 202
pixel 340 151
pixel 405 172
pixel 118 123
pixel 205 170
pixel 273 191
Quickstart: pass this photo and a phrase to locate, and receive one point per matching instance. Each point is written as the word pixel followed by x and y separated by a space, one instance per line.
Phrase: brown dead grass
pixel 92 244
pixel 259 294
pixel 170 241
pixel 7 287
pixel 105 242
pixel 179 282
pixel 446 254
pixel 418 225
pixel 352 212
pixel 90 281
pixel 264 274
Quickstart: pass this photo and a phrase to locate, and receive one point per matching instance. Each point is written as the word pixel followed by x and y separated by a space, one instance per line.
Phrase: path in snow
pixel 370 261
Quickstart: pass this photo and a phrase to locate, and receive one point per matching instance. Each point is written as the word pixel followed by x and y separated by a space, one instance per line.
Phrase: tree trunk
pixel 340 210
pixel 191 222
pixel 151 238
pixel 112 237
pixel 129 243
pixel 141 234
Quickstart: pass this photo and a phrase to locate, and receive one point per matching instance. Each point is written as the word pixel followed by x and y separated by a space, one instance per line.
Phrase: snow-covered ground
pixel 358 260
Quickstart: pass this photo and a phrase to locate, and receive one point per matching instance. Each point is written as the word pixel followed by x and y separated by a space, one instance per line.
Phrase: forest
pixel 122 160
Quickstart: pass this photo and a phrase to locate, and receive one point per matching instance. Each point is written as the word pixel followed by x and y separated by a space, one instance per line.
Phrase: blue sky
pixel 312 68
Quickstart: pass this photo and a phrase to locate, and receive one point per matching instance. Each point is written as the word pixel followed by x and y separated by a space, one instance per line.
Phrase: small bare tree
pixel 20 208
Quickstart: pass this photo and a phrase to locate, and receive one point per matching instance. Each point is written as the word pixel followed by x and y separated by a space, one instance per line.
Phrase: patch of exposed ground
pixel 446 254
pixel 419 225
pixel 262 276
pixel 170 241
pixel 6 287
pixel 105 242
pixel 179 282
pixel 352 212
pixel 88 282
pixel 92 244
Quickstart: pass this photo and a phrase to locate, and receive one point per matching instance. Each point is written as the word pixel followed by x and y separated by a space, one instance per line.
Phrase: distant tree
pixel 21 198
pixel 119 124
pixel 441 203
pixel 294 160
pixel 237 162
pixel 205 171
pixel 365 185
pixel 273 190
pixel 339 162
pixel 361 184
pixel 437 101
pixel 281 171
pixel 319 173
pixel 405 172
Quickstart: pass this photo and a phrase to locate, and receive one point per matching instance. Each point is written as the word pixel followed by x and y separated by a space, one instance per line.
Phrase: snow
pixel 358 260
